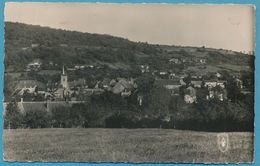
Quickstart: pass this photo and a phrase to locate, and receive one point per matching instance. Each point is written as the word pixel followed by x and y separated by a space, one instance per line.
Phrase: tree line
pixel 159 110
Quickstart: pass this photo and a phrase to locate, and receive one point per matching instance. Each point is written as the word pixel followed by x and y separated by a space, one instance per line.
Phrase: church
pixel 63 92
pixel 64 79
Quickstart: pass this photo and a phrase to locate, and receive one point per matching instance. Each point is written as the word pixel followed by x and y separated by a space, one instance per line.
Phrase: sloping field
pixel 124 145
pixel 216 68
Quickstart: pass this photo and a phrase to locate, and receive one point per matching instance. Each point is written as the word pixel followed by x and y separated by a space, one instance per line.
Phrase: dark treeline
pixel 112 111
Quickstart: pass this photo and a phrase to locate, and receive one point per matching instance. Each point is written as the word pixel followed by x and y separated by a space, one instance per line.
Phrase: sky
pixel 217 26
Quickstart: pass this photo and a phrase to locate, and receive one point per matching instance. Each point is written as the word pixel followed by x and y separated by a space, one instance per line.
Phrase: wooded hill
pixel 24 43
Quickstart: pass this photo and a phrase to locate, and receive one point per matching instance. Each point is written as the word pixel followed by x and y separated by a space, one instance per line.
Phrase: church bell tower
pixel 64 79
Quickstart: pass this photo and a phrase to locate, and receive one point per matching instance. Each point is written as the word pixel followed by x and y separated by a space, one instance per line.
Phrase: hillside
pixel 124 83
pixel 24 43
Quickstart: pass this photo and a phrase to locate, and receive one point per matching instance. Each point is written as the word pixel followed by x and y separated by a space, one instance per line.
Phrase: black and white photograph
pixel 126 82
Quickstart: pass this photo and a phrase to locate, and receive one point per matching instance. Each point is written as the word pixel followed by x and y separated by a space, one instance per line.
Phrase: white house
pixel 190 95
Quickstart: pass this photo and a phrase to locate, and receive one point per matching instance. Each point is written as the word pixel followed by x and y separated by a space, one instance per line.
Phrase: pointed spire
pixel 63 71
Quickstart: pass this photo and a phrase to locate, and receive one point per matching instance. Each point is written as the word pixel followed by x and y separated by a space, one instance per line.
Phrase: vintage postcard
pixel 138 83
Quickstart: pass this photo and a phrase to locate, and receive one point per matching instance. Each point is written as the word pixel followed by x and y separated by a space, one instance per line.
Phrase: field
pixel 124 145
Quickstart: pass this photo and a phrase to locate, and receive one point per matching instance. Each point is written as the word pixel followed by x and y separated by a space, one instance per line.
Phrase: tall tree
pixel 13 117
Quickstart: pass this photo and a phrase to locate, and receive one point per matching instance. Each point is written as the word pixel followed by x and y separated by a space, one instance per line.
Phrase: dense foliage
pixel 160 110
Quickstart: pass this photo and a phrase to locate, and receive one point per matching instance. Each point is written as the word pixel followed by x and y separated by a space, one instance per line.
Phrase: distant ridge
pixel 24 43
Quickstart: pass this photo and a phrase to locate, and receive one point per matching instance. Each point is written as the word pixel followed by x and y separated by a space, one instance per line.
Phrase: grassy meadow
pixel 124 145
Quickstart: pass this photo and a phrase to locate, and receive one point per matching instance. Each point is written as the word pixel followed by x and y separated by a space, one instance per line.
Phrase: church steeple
pixel 64 79
pixel 63 71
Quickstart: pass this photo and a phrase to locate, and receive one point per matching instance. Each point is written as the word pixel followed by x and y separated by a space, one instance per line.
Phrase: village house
pixel 218 75
pixel 187 60
pixel 25 48
pixel 217 93
pixel 47 95
pixel 182 82
pixel 106 84
pixel 71 69
pixel 28 86
pixel 34 45
pixel 210 83
pixel 61 94
pixel 145 68
pixel 198 60
pixel 184 60
pixel 78 67
pixel 126 92
pixel 112 82
pixel 213 83
pixel 30 90
pixel 90 66
pixel 34 66
pixel 76 86
pixel 123 87
pixel 196 76
pixel 196 83
pixel 118 88
pixel 163 74
pixel 82 88
pixel 79 83
pixel 239 83
pixel 190 95
pixel 221 83
pixel 172 76
pixel 175 61
pixel 202 61
pixel 98 85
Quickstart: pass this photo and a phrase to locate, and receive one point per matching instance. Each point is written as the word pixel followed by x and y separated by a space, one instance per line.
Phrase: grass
pixel 235 67
pixel 124 145
pixel 216 68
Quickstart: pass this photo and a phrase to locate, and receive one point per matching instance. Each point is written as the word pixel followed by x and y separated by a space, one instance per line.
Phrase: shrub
pixel 37 119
